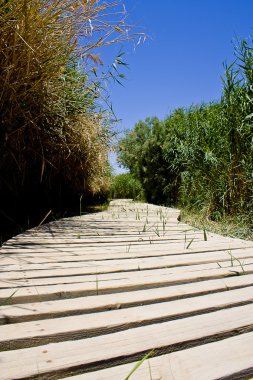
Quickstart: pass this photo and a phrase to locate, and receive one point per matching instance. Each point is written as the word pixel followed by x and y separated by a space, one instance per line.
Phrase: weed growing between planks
pixel 234 260
pixel 8 299
pixel 139 363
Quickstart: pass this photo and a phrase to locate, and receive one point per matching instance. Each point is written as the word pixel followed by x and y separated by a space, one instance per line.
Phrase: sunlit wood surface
pixel 88 297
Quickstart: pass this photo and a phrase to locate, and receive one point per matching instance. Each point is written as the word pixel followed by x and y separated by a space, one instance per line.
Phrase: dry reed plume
pixel 51 135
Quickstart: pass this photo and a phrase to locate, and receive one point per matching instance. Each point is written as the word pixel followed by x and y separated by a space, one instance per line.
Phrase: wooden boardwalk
pixel 86 298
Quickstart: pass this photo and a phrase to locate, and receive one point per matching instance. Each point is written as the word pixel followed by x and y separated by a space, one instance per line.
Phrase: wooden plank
pixel 82 305
pixel 20 248
pixel 92 228
pixel 28 334
pixel 110 234
pixel 229 358
pixel 95 286
pixel 63 234
pixel 125 345
pixel 156 230
pixel 107 253
pixel 132 279
pixel 83 234
pixel 95 267
pixel 163 295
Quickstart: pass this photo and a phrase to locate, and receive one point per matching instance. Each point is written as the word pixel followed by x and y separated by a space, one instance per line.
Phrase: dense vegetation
pixel 126 186
pixel 200 157
pixel 54 136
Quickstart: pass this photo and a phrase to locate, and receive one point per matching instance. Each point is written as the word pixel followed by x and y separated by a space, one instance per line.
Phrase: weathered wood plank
pixel 125 345
pixel 110 286
pixel 13 271
pixel 82 305
pixel 114 282
pixel 75 253
pixel 229 358
pixel 94 286
pixel 243 263
pixel 28 334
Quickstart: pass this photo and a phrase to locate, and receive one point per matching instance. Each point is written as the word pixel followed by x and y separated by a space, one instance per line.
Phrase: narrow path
pixel 86 298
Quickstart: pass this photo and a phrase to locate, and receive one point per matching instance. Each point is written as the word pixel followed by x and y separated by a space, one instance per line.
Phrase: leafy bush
pixel 200 157
pixel 126 186
pixel 142 152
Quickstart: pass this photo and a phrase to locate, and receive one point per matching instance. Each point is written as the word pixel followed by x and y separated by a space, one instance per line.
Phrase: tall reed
pixel 201 157
pixel 54 138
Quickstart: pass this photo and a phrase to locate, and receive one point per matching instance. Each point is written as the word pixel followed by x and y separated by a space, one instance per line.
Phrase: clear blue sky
pixel 181 61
